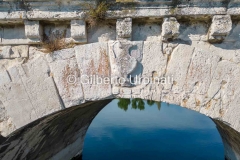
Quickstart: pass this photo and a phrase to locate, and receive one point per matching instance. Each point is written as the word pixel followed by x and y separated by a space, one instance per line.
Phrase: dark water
pixel 150 131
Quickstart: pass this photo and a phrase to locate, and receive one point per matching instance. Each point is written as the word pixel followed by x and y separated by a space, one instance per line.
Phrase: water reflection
pixel 136 103
pixel 173 133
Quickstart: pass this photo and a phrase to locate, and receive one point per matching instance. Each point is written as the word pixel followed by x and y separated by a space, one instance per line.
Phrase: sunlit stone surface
pixel 201 55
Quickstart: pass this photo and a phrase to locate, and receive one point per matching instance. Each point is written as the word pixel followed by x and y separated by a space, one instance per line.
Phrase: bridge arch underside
pixel 64 133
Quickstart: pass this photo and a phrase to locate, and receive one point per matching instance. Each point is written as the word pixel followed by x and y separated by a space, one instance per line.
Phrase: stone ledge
pixel 63 10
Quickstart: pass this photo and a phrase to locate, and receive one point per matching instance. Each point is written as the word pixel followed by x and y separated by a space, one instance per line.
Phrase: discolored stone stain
pixel 70 71
pixel 208 106
pixel 184 103
pixel 197 102
pixel 103 67
pixel 221 112
pixel 91 68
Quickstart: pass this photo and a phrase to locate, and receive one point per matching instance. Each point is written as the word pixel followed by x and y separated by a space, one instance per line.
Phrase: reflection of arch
pixel 61 135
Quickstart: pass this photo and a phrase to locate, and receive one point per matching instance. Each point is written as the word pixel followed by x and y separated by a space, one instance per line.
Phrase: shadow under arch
pixel 61 135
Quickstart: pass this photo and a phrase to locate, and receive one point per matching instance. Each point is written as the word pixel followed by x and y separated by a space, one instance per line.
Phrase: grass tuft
pixel 97 14
pixel 55 42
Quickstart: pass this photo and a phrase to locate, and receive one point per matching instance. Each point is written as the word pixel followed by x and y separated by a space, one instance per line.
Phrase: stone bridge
pixel 183 52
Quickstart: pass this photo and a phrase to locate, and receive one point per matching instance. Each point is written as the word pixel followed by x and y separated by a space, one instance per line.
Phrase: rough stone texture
pixel 124 57
pixel 102 33
pixel 146 31
pixel 152 54
pixel 220 28
pixel 28 92
pixel 124 28
pixel 93 63
pixel 170 28
pixel 178 67
pixel 33 30
pixel 66 74
pixel 10 52
pixel 200 72
pixel 78 31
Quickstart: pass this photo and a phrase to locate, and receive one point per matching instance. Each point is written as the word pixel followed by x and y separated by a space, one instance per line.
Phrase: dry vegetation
pixel 55 42
pixel 97 14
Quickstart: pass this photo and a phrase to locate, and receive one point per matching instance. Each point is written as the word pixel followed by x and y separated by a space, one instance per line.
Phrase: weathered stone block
pixel 4 78
pixel 154 61
pixel 126 91
pixel 170 28
pixel 5 52
pixel 93 62
pixel 21 50
pixel 78 30
pixel 115 90
pixel 9 52
pixel 220 28
pixel 124 28
pixel 201 70
pixel 124 58
pixel 178 67
pixel 66 75
pixel 33 30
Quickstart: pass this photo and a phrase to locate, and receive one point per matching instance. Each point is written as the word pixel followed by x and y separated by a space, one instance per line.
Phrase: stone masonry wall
pixel 196 43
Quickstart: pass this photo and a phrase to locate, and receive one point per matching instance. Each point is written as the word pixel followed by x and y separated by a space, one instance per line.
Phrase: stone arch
pixel 202 78
pixel 65 130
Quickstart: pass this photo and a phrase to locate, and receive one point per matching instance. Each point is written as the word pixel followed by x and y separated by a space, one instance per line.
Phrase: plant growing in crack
pixel 55 41
pixel 96 15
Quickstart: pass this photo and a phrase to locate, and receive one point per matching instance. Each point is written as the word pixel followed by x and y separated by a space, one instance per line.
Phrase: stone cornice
pixel 11 10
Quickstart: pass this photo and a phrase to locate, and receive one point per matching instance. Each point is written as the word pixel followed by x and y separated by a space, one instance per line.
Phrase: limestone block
pixel 9 52
pixel 93 62
pixel 40 86
pixel 21 51
pixel 154 61
pixel 31 94
pixel 125 57
pixel 124 28
pixel 4 78
pixel 66 74
pixel 78 30
pixel 177 67
pixel 170 28
pixel 6 124
pixel 223 94
pixel 14 35
pixel 201 70
pixel 5 52
pixel 136 91
pixel 126 91
pixel 220 28
pixel 16 100
pixel 33 30
pixel 115 90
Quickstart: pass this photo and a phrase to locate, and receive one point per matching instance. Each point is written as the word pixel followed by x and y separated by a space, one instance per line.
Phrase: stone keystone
pixel 220 28
pixel 170 28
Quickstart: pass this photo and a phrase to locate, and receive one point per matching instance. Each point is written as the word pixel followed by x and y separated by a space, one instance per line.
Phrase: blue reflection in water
pixel 171 133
